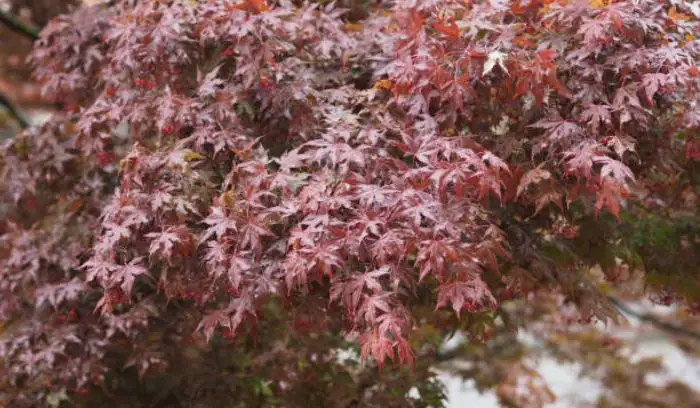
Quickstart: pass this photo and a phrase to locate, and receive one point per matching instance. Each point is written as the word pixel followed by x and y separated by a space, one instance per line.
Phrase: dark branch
pixel 16 25
pixel 4 102
pixel 654 321
pixel 617 303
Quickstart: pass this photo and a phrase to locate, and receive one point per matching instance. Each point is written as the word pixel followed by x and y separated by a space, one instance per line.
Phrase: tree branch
pixel 654 321
pixel 16 25
pixel 13 112
pixel 615 302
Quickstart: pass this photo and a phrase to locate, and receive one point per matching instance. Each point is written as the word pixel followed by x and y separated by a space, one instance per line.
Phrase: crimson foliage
pixel 235 183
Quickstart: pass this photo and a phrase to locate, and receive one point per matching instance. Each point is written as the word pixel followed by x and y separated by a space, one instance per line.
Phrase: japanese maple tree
pixel 276 203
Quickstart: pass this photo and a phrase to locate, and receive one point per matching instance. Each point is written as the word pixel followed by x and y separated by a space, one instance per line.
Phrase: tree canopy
pixel 286 203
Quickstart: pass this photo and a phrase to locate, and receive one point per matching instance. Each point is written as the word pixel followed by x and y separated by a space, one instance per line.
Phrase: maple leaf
pixel 494 161
pixel 215 257
pixel 625 101
pixel 296 268
pixel 393 243
pixel 369 225
pixel 594 31
pixel 548 197
pixel 163 243
pixel 494 58
pixel 608 195
pixel 59 293
pixel 126 275
pixel 99 268
pixel 376 345
pixel 348 154
pixel 212 320
pixel 596 115
pixel 450 29
pixel 219 224
pixel 240 264
pixel 350 291
pixel 115 232
pixel 620 145
pixel 472 295
pixel 209 85
pixel 560 131
pixel 652 83
pixel 533 176
pixel 336 153
pixel 434 256
pixel 615 169
pixel 373 307
pixel 251 234
pixel 373 196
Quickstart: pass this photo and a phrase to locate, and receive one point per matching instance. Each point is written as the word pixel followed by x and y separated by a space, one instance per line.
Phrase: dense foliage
pixel 235 196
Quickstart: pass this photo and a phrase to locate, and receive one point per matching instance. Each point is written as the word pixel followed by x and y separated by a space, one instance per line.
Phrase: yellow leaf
pixel 674 15
pixel 229 199
pixel 190 156
pixel 599 4
pixel 383 84
pixel 353 27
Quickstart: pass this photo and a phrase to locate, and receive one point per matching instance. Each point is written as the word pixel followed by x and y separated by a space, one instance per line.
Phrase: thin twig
pixel 16 25
pixel 5 102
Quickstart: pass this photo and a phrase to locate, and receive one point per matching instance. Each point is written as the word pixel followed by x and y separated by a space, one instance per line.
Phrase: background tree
pixel 18 28
pixel 283 203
